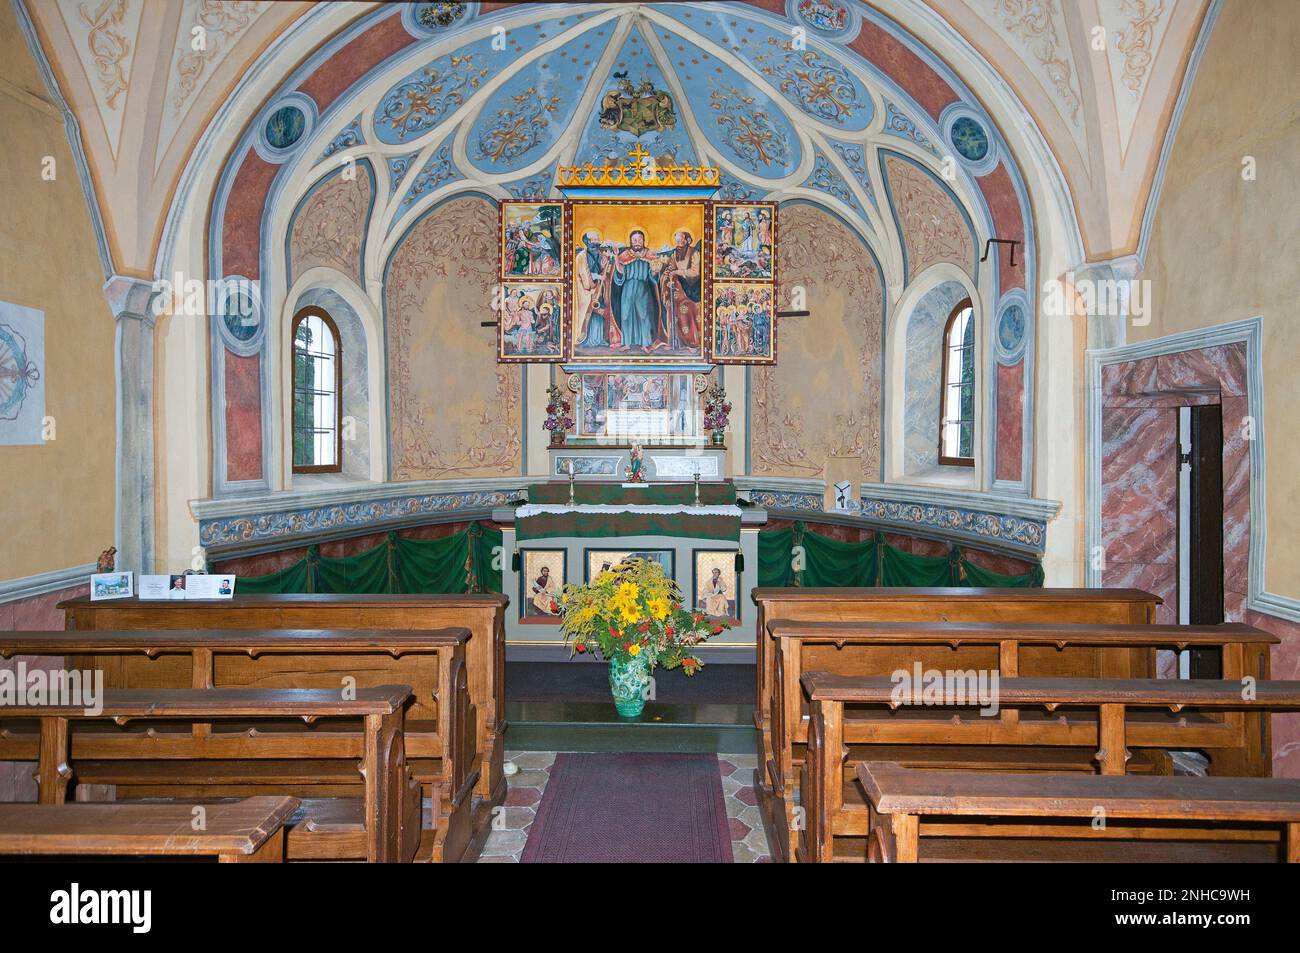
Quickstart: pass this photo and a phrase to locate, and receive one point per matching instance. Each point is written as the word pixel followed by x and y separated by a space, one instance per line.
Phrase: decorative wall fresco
pixel 934 229
pixel 823 397
pixel 453 411
pixel 330 227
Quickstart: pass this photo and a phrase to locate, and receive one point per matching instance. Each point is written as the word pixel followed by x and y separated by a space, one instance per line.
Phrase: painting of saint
pixel 530 322
pixel 744 246
pixel 716 584
pixel 637 281
pixel 744 324
pixel 531 233
pixel 541 581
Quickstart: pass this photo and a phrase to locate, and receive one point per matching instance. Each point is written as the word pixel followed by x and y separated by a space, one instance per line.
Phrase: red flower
pixel 716 628
pixel 581 648
pixel 644 626
pixel 613 632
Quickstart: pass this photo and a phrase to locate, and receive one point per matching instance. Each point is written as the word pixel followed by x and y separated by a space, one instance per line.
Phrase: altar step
pixel 596 726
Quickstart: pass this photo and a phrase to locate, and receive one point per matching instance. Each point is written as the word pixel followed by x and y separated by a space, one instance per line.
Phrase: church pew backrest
pixel 901 798
pixel 250 830
pixel 483 614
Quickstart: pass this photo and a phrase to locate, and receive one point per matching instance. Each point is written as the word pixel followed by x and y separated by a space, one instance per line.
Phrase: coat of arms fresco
pixel 636 109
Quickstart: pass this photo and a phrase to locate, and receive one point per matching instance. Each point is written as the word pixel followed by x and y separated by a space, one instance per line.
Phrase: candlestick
pixel 697 488
pixel 572 501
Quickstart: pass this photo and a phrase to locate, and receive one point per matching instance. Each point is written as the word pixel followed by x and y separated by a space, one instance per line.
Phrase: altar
pixel 699 532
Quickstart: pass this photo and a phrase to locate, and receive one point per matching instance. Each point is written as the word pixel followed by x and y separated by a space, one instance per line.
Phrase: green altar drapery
pixel 614 494
pixel 830 562
pixel 469 561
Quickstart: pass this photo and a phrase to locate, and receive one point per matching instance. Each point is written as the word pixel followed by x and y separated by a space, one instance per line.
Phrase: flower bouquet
pixel 632 616
pixel 557 420
pixel 717 411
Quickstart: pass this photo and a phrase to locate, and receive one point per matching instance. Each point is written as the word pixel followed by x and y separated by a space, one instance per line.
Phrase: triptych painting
pixel 637 282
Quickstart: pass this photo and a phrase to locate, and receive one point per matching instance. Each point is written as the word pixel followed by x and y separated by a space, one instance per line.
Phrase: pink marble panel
pixel 241 240
pixel 907 69
pixel 333 77
pixel 1008 222
pixel 243 417
pixel 1010 423
pixel 1139 486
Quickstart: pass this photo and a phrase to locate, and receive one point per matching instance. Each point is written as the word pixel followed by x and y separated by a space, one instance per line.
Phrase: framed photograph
pixel 112 585
pixel 646 406
pixel 542 577
pixel 531 236
pixel 715 586
pixel 209 586
pixel 637 282
pixel 599 560
pixel 743 328
pixel 530 322
pixel 744 241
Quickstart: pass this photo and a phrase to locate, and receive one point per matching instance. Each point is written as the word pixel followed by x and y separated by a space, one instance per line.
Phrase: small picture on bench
pixel 112 585
pixel 716 584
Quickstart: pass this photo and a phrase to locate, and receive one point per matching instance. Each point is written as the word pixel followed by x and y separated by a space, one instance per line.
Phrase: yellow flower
pixel 630 613
pixel 658 607
pixel 634 650
pixel 628 591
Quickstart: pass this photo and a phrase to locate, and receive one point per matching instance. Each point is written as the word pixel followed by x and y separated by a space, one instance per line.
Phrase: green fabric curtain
pixel 774 560
pixel 469 561
pixel 832 562
pixel 899 568
pixel 979 577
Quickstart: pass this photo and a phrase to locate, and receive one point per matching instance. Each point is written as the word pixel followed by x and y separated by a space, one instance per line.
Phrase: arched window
pixel 957 399
pixel 317 381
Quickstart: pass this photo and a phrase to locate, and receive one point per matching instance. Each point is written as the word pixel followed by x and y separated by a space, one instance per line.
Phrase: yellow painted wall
pixel 1224 248
pixel 58 499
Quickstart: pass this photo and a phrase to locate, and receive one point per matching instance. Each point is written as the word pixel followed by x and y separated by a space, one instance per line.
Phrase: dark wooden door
pixel 1206 532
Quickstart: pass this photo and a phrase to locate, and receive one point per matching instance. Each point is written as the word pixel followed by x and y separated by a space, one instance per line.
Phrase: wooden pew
pixel 387 823
pixel 949 604
pixel 440 726
pixel 1098 713
pixel 485 654
pixel 1096 650
pixel 248 831
pixel 796 604
pixel 908 806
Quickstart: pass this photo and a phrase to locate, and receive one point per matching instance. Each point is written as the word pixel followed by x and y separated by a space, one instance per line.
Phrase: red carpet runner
pixel 644 807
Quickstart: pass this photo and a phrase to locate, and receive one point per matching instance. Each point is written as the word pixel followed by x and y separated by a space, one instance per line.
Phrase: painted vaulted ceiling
pixel 1098 78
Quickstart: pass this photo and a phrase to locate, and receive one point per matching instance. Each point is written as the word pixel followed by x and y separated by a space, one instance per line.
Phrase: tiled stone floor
pixel 524 794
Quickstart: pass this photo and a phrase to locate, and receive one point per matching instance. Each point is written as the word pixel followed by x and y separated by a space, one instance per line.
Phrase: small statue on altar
pixel 634 465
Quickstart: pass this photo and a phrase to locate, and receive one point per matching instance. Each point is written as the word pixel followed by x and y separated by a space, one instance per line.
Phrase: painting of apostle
pixel 637 294
pixel 744 325
pixel 530 325
pixel 541 581
pixel 531 233
pixel 716 584
pixel 744 242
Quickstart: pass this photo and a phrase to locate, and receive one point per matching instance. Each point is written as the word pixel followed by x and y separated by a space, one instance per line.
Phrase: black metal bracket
pixel 1001 241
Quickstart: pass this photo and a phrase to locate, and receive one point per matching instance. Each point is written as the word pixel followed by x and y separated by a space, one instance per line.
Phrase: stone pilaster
pixel 130 300
pixel 1112 285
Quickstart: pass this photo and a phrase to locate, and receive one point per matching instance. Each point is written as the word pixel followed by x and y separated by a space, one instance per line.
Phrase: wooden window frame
pixel 316 312
pixel 944 460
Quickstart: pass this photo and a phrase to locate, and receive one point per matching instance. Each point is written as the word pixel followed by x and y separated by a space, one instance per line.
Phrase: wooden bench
pixel 385 820
pixel 949 604
pixel 248 831
pixel 440 727
pixel 483 614
pixel 1098 713
pixel 908 806
pixel 1240 746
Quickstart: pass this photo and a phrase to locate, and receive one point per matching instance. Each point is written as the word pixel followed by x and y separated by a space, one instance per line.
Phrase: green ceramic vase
pixel 628 680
